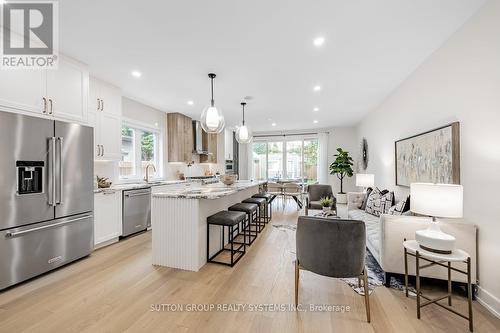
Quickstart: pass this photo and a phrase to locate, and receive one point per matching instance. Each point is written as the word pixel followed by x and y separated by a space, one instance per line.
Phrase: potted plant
pixel 342 167
pixel 326 203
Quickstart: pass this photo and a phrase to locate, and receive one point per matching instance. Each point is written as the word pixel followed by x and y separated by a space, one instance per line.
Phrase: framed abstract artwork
pixel 430 157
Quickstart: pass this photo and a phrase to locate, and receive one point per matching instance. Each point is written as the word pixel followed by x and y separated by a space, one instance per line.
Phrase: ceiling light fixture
pixel 315 121
pixel 316 109
pixel 317 88
pixel 212 120
pixel 190 102
pixel 319 41
pixel 243 134
pixel 136 74
pixel 273 124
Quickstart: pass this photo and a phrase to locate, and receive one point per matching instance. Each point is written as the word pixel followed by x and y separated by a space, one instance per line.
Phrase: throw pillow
pixel 397 209
pixel 379 202
pixel 365 199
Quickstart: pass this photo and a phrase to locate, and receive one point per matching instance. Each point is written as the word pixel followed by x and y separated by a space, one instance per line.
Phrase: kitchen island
pixel 179 221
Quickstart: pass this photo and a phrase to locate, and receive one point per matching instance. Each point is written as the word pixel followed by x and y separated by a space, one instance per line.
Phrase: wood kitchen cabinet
pixel 209 143
pixel 180 138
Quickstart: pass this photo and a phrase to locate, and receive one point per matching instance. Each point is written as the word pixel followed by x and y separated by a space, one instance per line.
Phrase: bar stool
pixel 232 220
pixel 262 216
pixel 269 197
pixel 251 212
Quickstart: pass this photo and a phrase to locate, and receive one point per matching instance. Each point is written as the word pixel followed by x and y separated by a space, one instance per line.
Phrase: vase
pixel 326 209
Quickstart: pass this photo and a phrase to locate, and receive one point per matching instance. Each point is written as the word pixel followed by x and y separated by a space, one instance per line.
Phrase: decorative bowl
pixel 228 179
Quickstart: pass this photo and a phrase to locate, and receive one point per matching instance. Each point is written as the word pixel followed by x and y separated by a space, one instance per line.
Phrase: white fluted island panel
pixel 179 223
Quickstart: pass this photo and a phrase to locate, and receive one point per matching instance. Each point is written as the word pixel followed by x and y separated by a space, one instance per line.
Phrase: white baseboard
pixel 489 301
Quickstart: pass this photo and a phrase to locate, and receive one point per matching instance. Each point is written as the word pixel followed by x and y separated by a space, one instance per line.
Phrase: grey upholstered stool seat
pixel 251 210
pixel 227 218
pixel 262 211
pixel 269 197
pixel 334 248
pixel 231 220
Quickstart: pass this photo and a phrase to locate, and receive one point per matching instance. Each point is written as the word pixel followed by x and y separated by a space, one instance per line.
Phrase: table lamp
pixel 365 180
pixel 437 201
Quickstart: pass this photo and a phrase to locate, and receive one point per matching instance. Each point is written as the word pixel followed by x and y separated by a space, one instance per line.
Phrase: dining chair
pixel 293 190
pixel 334 248
pixel 275 189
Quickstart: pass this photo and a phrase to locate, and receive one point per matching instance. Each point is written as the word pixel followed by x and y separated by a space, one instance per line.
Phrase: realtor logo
pixel 29 34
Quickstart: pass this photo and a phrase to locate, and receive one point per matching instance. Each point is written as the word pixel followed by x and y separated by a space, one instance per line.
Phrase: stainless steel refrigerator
pixel 46 195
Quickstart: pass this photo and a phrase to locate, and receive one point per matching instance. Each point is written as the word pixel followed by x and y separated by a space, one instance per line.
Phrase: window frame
pixel 284 141
pixel 143 127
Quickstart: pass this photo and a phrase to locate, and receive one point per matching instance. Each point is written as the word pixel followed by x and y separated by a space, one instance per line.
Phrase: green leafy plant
pixel 342 167
pixel 326 202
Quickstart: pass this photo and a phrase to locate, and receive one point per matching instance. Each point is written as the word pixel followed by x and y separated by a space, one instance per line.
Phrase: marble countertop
pixel 210 191
pixel 135 186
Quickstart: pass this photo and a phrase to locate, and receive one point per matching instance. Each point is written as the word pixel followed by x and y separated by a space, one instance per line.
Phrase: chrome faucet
pixel 147 171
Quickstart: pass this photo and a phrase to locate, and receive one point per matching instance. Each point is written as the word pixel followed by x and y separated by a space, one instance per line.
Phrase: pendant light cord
pixel 243 104
pixel 212 88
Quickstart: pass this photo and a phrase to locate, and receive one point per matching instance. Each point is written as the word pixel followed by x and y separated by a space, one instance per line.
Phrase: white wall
pixel 459 82
pixel 345 138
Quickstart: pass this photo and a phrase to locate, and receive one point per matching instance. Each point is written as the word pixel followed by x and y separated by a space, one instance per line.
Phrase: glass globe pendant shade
pixel 243 135
pixel 212 120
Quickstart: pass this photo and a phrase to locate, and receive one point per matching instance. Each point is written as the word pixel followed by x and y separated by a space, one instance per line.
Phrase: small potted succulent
pixel 326 203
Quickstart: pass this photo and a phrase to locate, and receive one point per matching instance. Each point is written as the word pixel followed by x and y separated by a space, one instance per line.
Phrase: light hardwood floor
pixel 114 289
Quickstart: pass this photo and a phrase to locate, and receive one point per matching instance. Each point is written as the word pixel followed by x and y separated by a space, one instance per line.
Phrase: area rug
pixel 375 272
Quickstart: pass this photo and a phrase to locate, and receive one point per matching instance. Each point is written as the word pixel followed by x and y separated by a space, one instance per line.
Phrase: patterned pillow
pixel 379 203
pixel 365 199
pixel 397 209
pixel 401 208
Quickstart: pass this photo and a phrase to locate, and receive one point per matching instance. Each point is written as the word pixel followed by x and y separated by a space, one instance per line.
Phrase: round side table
pixel 411 248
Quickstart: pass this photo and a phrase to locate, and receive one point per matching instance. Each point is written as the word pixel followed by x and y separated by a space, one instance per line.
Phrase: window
pixel 140 147
pixel 299 159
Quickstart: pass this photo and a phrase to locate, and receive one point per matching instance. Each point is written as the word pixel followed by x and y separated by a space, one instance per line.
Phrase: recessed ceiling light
pixel 190 102
pixel 136 74
pixel 273 124
pixel 317 88
pixel 316 109
pixel 318 41
pixel 315 121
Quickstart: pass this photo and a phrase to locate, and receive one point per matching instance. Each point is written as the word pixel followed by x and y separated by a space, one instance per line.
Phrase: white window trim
pixel 161 138
pixel 283 140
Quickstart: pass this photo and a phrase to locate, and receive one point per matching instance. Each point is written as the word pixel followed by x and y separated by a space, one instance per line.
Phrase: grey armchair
pixel 334 248
pixel 315 193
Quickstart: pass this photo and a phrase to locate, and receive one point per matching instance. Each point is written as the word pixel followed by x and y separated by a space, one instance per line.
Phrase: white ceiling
pixel 260 48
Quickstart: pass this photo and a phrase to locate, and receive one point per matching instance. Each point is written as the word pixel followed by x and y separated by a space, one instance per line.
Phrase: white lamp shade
pixel 365 180
pixel 437 200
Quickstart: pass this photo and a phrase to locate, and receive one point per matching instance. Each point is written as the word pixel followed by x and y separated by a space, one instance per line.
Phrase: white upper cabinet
pixel 54 93
pixel 228 145
pixel 23 90
pixel 67 91
pixel 105 114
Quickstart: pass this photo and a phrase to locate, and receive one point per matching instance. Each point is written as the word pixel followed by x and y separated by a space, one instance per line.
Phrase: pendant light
pixel 212 120
pixel 243 134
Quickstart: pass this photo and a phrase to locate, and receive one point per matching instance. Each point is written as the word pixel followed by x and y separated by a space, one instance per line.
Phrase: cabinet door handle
pixel 102 150
pixel 98 150
pixel 51 106
pixel 102 105
pixel 98 104
pixel 44 105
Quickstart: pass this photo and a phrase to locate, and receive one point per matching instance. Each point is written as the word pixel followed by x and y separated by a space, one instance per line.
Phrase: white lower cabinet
pixel 107 216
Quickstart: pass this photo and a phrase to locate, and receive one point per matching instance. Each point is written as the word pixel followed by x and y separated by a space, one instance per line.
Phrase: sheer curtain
pixel 323 158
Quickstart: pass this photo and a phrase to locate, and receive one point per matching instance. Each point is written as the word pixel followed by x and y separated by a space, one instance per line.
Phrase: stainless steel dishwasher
pixel 136 210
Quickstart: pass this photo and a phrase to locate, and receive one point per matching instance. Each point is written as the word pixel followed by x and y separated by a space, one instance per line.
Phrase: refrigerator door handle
pixel 19 233
pixel 61 170
pixel 52 171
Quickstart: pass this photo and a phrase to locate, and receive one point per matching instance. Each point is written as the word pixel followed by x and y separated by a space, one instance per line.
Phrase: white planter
pixel 342 198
